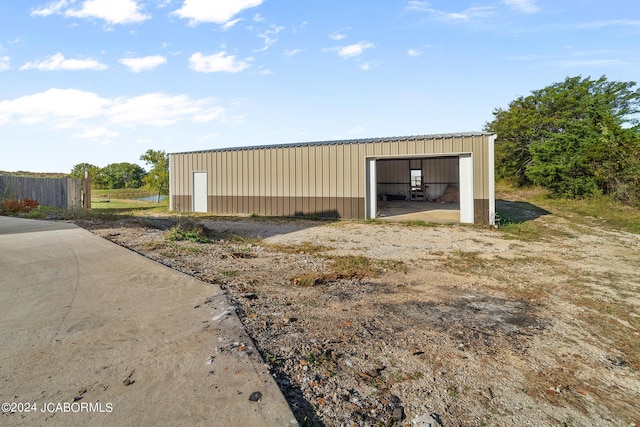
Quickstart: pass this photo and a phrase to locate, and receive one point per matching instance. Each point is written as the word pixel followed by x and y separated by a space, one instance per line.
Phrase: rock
pixel 398 413
pixel 427 420
pixel 256 396
pixel 395 400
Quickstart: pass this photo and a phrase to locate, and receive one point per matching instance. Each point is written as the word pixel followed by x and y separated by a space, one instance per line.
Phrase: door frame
pixel 465 179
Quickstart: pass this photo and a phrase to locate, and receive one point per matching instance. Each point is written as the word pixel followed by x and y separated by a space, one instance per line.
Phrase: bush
pixel 18 207
pixel 192 232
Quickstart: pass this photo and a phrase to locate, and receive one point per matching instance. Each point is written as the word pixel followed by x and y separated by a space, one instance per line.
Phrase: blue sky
pixel 102 81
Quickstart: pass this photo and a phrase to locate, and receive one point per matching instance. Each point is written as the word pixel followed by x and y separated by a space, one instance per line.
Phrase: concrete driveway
pixel 94 334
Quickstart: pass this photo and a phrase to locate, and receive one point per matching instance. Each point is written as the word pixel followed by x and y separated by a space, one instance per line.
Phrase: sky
pixel 103 81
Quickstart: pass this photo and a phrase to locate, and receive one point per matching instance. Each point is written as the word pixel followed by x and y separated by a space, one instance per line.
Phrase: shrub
pixel 18 207
pixel 192 232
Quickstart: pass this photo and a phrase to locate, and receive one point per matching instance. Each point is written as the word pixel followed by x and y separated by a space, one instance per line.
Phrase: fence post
pixel 86 190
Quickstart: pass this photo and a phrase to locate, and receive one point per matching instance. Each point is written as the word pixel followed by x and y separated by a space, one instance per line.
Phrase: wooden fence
pixel 66 193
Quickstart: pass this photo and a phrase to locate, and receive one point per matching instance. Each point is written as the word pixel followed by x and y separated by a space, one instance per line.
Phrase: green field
pixel 122 201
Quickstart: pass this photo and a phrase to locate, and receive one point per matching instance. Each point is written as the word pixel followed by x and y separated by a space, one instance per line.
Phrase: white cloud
pixel 292 52
pixel 216 63
pixel 145 63
pixel 217 12
pixel 231 23
pixel 354 50
pixel 159 109
pixel 337 36
pixel 51 8
pixel 369 65
pixel 94 117
pixel 268 38
pixel 5 63
pixel 471 13
pixel 112 11
pixel 414 52
pixel 163 3
pixel 58 107
pixel 59 62
pixel 527 6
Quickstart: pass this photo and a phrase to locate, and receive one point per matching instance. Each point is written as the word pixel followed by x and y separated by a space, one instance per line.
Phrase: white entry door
pixel 199 191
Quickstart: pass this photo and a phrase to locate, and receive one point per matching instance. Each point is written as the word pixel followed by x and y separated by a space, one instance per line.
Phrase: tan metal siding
pixel 220 183
pixel 319 178
pixel 261 185
pixel 287 180
pixel 305 190
pixel 332 179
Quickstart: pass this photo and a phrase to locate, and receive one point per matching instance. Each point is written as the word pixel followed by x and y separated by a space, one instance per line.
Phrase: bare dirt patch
pixel 448 325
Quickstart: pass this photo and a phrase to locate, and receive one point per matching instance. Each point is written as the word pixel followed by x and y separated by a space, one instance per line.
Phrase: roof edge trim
pixel 345 141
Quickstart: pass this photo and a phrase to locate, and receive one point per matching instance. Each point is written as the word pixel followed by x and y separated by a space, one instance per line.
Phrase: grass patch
pixel 604 209
pixel 608 326
pixel 353 267
pixel 312 278
pixel 528 231
pixel 348 267
pixel 121 193
pixel 191 232
pixel 245 241
pixel 420 223
pixel 464 261
pixel 121 202
pixel 229 273
pixel 129 207
pixel 316 359
pixel 615 321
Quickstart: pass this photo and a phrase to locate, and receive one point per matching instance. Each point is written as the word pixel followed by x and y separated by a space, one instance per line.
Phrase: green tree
pixel 123 175
pixel 578 138
pixel 157 179
pixel 97 177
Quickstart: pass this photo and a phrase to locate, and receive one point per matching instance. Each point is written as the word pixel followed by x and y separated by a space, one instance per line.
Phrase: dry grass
pixel 300 248
pixel 348 267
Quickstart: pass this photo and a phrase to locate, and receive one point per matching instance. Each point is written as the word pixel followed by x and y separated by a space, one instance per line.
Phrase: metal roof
pixel 345 141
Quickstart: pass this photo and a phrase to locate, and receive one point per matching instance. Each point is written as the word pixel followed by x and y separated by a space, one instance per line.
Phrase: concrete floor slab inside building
pixel 400 210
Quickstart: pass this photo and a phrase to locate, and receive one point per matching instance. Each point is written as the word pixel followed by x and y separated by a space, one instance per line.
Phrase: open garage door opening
pixel 431 189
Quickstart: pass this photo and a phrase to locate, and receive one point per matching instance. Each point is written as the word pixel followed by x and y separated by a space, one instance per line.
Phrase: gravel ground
pixel 441 325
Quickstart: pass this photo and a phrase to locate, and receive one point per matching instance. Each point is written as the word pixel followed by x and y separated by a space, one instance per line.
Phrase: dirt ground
pixel 394 324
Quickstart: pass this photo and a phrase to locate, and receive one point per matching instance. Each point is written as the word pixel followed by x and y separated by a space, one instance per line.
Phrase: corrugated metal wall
pixel 327 179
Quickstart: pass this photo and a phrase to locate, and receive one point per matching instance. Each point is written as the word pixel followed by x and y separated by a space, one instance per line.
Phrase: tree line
pixel 129 175
pixel 578 138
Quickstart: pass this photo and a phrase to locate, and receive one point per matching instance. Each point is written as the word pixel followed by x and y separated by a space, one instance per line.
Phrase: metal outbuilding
pixel 344 179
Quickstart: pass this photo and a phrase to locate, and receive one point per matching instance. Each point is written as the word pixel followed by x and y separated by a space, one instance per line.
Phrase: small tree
pixel 157 179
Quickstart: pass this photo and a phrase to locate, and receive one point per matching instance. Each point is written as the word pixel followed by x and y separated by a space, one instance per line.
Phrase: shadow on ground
pixel 518 212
